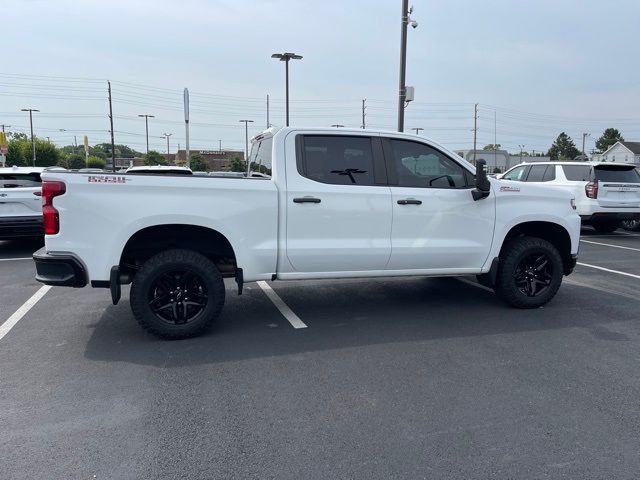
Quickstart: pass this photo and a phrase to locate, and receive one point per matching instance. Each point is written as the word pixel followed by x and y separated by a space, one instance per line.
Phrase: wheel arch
pixel 553 233
pixel 150 240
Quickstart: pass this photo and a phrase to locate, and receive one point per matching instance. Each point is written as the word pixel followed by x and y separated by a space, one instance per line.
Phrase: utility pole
pixel 186 128
pixel 475 131
pixel 402 88
pixel 146 126
pixel 33 140
pixel 417 130
pixel 364 125
pixel 584 136
pixel 495 141
pixel 521 150
pixel 268 124
pixel 3 125
pixel 285 57
pixel 220 143
pixel 167 135
pixel 246 143
pixel 113 142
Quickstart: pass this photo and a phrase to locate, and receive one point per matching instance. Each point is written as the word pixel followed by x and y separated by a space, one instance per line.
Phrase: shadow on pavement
pixel 345 314
pixel 21 247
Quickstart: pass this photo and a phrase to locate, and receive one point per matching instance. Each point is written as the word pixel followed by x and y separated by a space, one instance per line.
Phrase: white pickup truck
pixel 339 203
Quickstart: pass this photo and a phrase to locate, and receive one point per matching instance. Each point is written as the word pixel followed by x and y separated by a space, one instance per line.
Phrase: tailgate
pixel 618 186
pixel 20 202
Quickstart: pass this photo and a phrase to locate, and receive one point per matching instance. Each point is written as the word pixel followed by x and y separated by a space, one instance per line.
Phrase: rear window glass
pixel 536 174
pixel 578 173
pixel 260 156
pixel 616 174
pixel 20 180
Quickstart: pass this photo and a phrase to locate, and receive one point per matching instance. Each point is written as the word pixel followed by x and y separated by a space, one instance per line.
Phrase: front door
pixel 436 223
pixel 338 205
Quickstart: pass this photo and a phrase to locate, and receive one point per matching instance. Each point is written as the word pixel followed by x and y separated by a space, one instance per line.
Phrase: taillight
pixel 591 189
pixel 50 216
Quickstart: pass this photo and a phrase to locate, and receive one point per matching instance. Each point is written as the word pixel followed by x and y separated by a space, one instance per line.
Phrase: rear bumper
pixel 611 216
pixel 16 227
pixel 59 270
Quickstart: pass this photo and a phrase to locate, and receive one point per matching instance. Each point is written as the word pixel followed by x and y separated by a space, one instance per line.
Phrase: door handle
pixel 306 200
pixel 410 201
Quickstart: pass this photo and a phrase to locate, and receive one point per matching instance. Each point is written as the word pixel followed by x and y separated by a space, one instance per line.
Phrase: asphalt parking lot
pixel 391 378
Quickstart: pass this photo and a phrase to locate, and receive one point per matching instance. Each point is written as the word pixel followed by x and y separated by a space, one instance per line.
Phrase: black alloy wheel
pixel 178 296
pixel 534 274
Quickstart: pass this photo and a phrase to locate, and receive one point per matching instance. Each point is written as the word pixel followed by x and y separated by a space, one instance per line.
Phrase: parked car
pixel 606 193
pixel 339 204
pixel 20 202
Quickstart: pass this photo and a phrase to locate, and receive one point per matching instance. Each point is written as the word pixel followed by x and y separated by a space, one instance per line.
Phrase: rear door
pixel 338 205
pixel 618 186
pixel 19 194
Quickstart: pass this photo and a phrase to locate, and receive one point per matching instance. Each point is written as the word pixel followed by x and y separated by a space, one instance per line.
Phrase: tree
pixel 198 164
pixel 47 155
pixel 608 138
pixel 491 146
pixel 563 148
pixel 74 161
pixel 237 165
pixel 154 158
pixel 96 162
pixel 19 153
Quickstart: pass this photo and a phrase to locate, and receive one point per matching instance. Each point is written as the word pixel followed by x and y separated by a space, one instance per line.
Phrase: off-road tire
pixel 172 260
pixel 515 252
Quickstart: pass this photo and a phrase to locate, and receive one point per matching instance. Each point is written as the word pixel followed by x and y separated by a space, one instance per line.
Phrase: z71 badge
pixel 509 189
pixel 106 179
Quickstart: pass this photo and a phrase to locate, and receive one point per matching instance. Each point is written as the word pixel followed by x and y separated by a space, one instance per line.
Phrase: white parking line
pixel 609 270
pixel 21 312
pixel 293 319
pixel 15 259
pixel 610 245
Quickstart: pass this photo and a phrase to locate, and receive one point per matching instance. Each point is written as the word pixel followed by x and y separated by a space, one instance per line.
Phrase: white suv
pixel 20 202
pixel 605 193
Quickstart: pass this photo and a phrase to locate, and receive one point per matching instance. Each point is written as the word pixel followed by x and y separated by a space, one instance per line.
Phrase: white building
pixel 498 159
pixel 621 152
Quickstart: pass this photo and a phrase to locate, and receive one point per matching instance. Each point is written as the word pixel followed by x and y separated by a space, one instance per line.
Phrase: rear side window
pixel 20 180
pixel 550 174
pixel 260 156
pixel 612 173
pixel 339 159
pixel 536 173
pixel 515 174
pixel 577 173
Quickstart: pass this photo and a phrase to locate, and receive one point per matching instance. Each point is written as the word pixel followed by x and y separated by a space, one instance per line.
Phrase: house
pixel 621 152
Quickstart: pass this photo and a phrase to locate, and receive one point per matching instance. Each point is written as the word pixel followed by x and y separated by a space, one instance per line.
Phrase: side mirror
pixel 483 186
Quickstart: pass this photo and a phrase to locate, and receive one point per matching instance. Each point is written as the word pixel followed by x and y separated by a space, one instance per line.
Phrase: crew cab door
pixel 436 223
pixel 338 205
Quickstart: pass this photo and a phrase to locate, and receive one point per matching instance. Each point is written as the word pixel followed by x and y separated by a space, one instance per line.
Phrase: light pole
pixel 402 90
pixel 521 149
pixel 3 127
pixel 146 126
pixel 584 136
pixel 246 143
pixel 33 141
pixel 285 57
pixel 417 130
pixel 167 135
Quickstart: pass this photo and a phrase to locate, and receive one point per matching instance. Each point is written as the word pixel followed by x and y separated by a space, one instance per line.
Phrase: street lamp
pixel 33 142
pixel 285 57
pixel 246 142
pixel 167 135
pixel 417 130
pixel 402 90
pixel 146 126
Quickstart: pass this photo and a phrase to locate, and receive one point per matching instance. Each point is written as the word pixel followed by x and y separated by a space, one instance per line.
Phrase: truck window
pixel 260 156
pixel 550 174
pixel 419 165
pixel 577 173
pixel 339 159
pixel 616 173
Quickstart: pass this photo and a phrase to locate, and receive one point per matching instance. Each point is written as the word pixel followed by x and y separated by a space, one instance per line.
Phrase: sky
pixel 535 68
